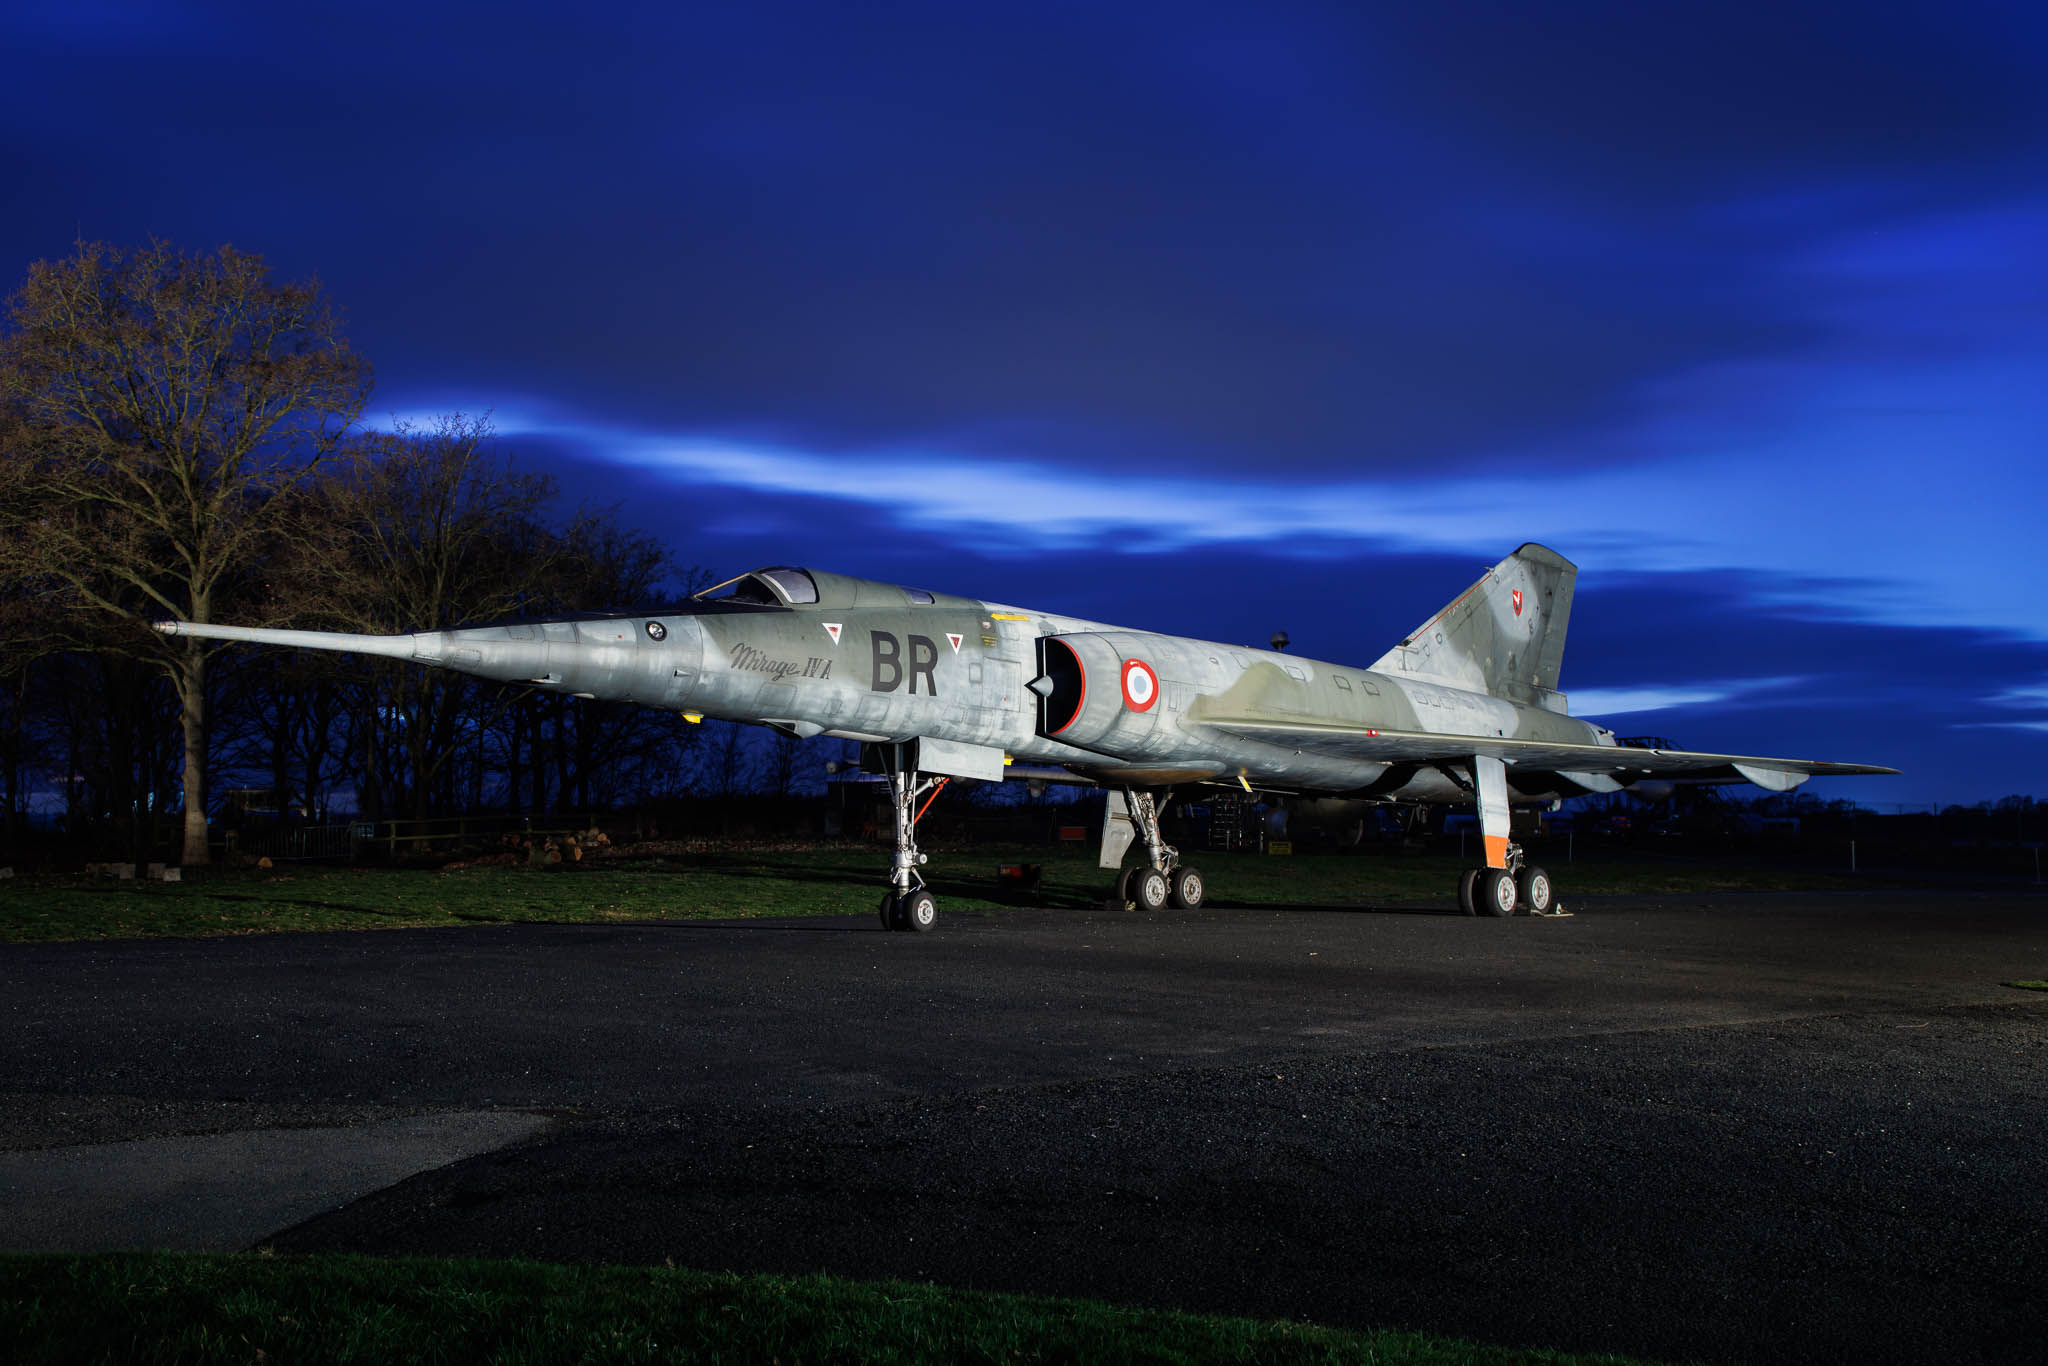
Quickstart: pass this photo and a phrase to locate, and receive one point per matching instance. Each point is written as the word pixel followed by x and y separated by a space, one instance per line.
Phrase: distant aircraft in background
pixel 1465 709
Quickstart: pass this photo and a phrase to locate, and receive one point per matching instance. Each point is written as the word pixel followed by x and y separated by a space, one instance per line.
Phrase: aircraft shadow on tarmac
pixel 956 886
pixel 1013 896
pixel 352 908
pixel 842 924
pixel 1008 898
pixel 1343 908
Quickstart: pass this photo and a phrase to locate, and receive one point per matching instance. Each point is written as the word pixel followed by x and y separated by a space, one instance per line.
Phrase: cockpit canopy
pixel 786 586
pixel 777 586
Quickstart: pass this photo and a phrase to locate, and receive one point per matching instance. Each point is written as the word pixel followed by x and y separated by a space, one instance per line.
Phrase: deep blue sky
pixel 1214 320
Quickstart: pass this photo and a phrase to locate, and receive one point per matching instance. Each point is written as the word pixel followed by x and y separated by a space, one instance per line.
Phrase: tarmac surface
pixel 1764 1128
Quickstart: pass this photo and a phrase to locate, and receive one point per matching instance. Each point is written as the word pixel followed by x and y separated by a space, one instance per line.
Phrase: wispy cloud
pixel 1646 519
pixel 1627 701
pixel 1649 697
pixel 2035 697
pixel 2027 698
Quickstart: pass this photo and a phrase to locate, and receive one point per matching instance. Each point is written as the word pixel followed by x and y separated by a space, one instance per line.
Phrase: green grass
pixel 836 879
pixel 168 1307
pixel 2029 986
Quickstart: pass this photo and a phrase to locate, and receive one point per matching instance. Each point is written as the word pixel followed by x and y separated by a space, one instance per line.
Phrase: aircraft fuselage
pixel 958 670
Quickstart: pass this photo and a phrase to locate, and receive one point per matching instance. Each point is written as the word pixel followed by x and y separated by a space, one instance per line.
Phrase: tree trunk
pixel 564 794
pixel 123 719
pixel 476 769
pixel 515 769
pixel 74 744
pixel 288 701
pixel 192 701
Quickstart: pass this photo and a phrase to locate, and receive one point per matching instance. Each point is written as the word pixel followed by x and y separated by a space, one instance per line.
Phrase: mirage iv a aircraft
pixel 1465 709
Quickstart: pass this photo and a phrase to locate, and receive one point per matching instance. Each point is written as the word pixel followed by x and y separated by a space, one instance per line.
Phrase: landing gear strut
pixel 1162 880
pixel 1507 882
pixel 908 905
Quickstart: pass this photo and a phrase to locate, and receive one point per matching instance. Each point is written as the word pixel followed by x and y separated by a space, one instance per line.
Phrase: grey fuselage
pixel 877 663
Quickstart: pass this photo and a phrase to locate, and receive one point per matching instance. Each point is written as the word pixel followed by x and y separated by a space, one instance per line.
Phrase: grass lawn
pixel 167 1307
pixel 830 879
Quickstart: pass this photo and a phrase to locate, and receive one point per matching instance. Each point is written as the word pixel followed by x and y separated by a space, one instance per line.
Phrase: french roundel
pixel 1141 685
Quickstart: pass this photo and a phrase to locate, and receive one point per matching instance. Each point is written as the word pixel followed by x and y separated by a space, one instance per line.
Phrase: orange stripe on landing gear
pixel 1496 851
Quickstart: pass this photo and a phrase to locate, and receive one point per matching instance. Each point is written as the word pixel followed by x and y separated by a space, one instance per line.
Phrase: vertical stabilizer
pixel 1504 635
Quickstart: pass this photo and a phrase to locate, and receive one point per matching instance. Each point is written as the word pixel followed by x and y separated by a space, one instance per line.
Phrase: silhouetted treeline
pixel 415 530
pixel 179 439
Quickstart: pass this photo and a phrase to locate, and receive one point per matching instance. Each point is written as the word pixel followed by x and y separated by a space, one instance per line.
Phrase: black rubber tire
pixel 1466 896
pixel 1119 898
pixel 1494 893
pixel 1533 891
pixel 920 911
pixel 890 907
pixel 1149 889
pixel 1185 890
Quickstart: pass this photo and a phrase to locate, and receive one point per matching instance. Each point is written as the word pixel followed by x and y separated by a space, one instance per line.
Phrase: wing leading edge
pixel 1621 763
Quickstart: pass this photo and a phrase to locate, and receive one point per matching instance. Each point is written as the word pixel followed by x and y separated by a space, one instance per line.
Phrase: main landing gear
pixel 1162 880
pixel 1521 886
pixel 1507 882
pixel 908 905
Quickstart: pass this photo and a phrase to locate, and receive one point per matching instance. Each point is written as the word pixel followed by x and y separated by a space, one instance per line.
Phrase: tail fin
pixel 1504 635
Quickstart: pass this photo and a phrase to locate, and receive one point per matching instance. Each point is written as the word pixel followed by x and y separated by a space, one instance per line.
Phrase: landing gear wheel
pixel 920 911
pixel 892 910
pixel 1149 889
pixel 1184 889
pixel 1534 886
pixel 1119 898
pixel 1467 881
pixel 1494 893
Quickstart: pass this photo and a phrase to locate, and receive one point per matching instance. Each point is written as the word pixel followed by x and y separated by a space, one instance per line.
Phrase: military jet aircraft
pixel 1466 708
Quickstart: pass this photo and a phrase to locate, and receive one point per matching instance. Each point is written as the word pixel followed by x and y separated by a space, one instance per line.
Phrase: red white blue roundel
pixel 1141 685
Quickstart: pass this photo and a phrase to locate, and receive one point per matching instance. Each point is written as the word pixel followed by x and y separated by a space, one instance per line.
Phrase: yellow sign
pixel 1280 847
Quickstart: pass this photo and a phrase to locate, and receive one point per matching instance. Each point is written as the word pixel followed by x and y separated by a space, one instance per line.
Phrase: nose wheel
pixel 914 913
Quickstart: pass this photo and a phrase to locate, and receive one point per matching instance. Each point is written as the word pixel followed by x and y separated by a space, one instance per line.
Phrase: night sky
pixel 1211 320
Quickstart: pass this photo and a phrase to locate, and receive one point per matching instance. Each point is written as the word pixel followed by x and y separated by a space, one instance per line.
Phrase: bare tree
pixel 164 400
pixel 608 751
pixel 790 765
pixel 728 760
pixel 420 529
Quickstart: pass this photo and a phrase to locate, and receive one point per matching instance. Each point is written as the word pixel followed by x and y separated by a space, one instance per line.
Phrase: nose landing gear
pixel 908 905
